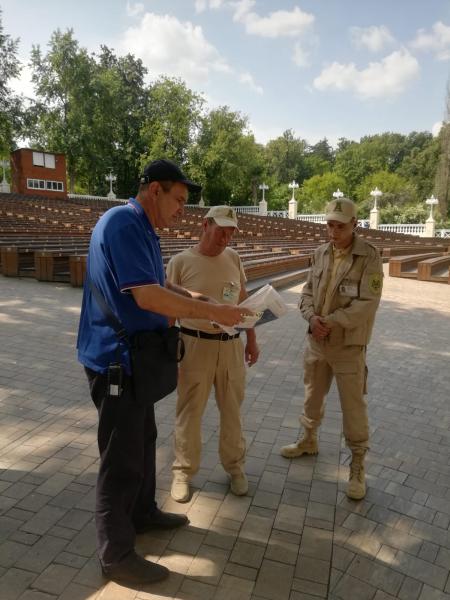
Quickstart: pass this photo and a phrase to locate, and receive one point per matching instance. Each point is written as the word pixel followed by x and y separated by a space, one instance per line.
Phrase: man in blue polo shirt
pixel 126 268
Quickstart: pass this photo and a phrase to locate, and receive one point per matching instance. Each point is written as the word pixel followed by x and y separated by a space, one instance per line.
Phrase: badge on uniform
pixel 375 283
pixel 349 288
pixel 230 292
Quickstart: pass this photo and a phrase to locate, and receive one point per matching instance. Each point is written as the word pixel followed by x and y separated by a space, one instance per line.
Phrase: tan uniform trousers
pixel 347 364
pixel 207 363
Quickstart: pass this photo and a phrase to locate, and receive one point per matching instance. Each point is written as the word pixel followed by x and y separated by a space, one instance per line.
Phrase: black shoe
pixel 134 569
pixel 161 520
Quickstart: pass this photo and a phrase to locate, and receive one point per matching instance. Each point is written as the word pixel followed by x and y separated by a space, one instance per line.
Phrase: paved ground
pixel 295 536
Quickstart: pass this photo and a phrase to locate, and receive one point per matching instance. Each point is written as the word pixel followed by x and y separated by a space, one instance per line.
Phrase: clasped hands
pixel 319 329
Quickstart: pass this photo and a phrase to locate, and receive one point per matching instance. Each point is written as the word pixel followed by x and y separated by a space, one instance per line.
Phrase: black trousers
pixel 126 480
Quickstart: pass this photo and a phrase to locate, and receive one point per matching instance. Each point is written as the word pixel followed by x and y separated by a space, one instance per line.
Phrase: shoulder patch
pixel 375 283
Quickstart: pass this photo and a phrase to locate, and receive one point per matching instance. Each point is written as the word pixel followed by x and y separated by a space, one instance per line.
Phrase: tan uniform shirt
pixel 353 295
pixel 221 277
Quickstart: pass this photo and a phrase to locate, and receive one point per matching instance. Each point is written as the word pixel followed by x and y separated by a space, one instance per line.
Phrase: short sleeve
pixel 133 262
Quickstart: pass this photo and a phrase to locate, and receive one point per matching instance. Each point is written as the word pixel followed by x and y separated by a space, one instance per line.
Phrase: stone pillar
pixel 292 208
pixel 374 218
pixel 201 202
pixel 263 208
pixel 430 227
pixel 5 187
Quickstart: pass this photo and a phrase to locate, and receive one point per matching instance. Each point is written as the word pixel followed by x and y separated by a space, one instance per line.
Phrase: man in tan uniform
pixel 339 301
pixel 214 271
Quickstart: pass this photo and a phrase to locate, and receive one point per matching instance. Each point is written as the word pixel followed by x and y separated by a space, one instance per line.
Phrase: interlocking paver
pixel 296 535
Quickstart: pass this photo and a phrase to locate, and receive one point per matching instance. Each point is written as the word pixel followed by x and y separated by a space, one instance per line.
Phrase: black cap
pixel 166 170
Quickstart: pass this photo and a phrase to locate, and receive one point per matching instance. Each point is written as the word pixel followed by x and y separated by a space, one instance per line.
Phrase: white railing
pixel 443 233
pixel 89 198
pixel 283 214
pixel 408 228
pixel 313 218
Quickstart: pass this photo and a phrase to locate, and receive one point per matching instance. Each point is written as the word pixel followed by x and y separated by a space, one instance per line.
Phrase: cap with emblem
pixel 342 210
pixel 166 170
pixel 224 216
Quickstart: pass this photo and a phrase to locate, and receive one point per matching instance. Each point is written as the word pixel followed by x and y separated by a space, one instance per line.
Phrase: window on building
pixel 44 184
pixel 38 159
pixel 42 159
pixel 49 160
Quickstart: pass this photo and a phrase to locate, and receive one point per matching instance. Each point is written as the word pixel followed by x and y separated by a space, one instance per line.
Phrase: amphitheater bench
pixel 435 269
pixel 77 269
pixel 406 266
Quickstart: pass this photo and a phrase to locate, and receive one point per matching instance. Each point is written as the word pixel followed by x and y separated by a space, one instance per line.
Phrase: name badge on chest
pixel 230 292
pixel 348 288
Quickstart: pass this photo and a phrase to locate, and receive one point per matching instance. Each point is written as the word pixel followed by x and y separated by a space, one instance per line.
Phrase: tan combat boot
pixel 306 445
pixel 356 489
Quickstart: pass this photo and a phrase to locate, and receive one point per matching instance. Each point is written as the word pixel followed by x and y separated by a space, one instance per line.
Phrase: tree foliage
pixel 100 111
pixel 10 104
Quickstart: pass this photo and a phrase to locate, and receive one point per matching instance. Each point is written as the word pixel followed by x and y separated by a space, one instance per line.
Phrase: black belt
pixel 223 337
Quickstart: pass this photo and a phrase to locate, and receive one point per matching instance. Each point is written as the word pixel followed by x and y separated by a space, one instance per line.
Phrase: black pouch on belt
pixel 154 363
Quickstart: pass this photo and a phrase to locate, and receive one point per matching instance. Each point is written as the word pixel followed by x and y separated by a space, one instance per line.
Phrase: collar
pixel 358 246
pixel 139 210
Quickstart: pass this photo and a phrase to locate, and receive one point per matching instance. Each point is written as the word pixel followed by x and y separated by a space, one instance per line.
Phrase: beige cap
pixel 342 210
pixel 224 216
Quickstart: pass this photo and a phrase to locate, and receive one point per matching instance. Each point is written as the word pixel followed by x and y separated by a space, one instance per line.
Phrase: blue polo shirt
pixel 124 253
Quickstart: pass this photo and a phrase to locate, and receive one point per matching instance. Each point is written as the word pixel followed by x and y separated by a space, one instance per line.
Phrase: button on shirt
pixel 124 253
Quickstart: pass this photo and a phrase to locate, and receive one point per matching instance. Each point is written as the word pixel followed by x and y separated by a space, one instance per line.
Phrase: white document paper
pixel 265 300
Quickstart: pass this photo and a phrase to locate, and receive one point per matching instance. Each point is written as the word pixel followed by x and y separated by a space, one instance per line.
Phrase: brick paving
pixel 295 536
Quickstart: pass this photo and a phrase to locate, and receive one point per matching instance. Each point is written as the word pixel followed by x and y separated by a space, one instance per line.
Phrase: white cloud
pixel 247 79
pixel 373 38
pixel 436 128
pixel 202 5
pixel 437 41
pixel 168 46
pixel 300 56
pixel 133 10
pixel 387 78
pixel 280 23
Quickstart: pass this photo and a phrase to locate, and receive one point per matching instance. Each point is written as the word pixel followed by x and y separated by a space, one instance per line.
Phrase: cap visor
pixel 191 186
pixel 224 222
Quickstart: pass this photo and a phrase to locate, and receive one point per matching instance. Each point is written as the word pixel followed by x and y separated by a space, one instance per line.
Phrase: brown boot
pixel 308 444
pixel 356 489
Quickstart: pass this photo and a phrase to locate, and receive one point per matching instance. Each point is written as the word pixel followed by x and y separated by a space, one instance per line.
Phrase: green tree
pixel 397 191
pixel 172 120
pixel 63 118
pixel 225 158
pixel 10 104
pixel 285 158
pixel 420 165
pixel 319 158
pixel 318 190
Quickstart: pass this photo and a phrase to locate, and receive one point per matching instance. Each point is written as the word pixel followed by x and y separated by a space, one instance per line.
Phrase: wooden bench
pixel 406 266
pixel 435 269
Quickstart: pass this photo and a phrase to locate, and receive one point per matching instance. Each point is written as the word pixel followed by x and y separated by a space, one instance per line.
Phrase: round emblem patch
pixel 375 283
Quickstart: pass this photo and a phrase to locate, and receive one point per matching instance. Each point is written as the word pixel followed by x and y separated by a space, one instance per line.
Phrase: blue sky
pixel 324 68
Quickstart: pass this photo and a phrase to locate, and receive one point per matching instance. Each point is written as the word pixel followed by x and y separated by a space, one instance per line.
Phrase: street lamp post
pixel 293 186
pixel 374 219
pixel 4 185
pixel 376 193
pixel 263 187
pixel 111 178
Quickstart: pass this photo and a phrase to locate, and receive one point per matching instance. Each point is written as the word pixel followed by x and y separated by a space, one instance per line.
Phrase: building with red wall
pixel 38 173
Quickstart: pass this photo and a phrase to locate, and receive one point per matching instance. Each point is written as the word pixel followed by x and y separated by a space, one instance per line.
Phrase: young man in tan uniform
pixel 212 357
pixel 339 301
